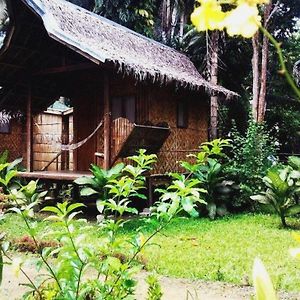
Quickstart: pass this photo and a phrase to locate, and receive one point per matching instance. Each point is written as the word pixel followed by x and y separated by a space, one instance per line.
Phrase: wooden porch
pixel 66 176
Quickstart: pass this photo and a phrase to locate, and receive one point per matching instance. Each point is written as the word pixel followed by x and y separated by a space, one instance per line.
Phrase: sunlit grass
pixel 223 249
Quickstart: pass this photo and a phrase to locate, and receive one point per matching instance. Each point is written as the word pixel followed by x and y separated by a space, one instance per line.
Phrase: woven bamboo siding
pixel 121 129
pixel 182 141
pixel 15 141
pixel 47 140
pixel 156 105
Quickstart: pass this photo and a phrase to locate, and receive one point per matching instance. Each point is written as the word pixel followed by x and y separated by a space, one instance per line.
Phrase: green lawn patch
pixel 221 250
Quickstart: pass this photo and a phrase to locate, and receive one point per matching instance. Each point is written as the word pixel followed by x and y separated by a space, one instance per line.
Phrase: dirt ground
pixel 173 288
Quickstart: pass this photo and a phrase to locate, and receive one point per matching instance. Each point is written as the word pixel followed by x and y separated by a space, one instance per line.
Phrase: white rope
pixel 71 147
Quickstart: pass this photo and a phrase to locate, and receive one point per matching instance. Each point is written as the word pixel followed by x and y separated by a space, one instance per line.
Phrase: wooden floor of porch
pixel 54 175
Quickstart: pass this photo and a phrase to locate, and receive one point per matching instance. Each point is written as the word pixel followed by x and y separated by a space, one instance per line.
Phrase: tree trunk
pixel 214 105
pixel 255 72
pixel 181 25
pixel 283 221
pixel 264 68
pixel 165 19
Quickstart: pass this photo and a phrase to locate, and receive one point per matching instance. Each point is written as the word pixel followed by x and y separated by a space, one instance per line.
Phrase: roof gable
pixel 104 41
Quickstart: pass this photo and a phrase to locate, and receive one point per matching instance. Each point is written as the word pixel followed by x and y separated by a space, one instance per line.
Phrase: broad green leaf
pixel 3 166
pixel 260 198
pixel 52 209
pixel 100 206
pixel 4 157
pixel 14 163
pixel 84 181
pixel 10 175
pixel 294 161
pixel 42 194
pixel 30 188
pixel 188 206
pixel 75 206
pixel 87 191
pixel 116 170
pixel 293 210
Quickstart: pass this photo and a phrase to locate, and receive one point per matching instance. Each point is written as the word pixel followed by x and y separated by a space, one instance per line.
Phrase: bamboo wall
pixel 155 105
pixel 47 140
pixel 15 141
pixel 181 141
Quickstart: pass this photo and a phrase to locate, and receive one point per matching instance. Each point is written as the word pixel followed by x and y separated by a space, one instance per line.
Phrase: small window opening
pixel 5 127
pixel 182 114
pixel 123 107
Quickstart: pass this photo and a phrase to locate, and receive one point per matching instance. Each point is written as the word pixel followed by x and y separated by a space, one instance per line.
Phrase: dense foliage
pixel 74 253
pixel 253 153
pixel 282 189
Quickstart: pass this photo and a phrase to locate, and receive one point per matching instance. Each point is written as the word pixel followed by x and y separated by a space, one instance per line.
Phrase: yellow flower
pixel 209 16
pixel 244 20
pixel 296 236
pixel 16 266
pixel 262 283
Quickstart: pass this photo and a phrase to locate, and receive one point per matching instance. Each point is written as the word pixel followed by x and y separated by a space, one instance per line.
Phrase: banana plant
pixel 209 171
pixel 282 189
pixel 96 185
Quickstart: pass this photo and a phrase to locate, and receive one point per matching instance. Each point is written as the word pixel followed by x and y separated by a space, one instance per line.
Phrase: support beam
pixel 64 69
pixel 65 157
pixel 107 122
pixel 29 153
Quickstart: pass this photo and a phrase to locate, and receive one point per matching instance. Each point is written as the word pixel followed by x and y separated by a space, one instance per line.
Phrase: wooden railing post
pixel 107 123
pixel 29 152
pixel 65 157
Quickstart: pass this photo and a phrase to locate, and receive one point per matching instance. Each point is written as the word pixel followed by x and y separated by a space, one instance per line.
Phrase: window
pixel 182 115
pixel 123 107
pixel 5 127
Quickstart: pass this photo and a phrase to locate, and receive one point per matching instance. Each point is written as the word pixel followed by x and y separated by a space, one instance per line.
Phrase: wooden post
pixel 214 105
pixel 65 161
pixel 29 152
pixel 106 124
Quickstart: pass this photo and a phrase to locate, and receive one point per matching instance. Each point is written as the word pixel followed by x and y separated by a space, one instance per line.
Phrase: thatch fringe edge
pixel 164 79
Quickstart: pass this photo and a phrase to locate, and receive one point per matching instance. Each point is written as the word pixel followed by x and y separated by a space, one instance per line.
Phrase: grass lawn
pixel 221 250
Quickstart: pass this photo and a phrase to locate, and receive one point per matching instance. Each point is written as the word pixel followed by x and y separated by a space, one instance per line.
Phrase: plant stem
pixel 78 281
pixel 284 70
pixel 25 274
pixel 38 247
pixel 139 250
pixel 77 254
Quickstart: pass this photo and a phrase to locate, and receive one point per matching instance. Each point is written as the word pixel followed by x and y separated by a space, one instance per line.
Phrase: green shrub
pixel 154 288
pixel 252 155
pixel 76 254
pixel 209 170
pixel 282 191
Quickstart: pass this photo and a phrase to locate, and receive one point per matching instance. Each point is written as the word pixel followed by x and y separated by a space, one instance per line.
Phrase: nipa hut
pixel 127 91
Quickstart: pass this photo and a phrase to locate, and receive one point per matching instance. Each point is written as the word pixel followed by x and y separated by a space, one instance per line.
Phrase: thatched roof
pixel 104 41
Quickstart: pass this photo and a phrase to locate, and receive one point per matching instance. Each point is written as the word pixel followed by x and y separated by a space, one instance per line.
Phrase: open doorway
pixel 52 129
